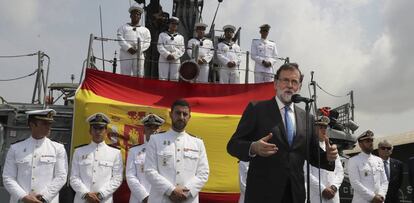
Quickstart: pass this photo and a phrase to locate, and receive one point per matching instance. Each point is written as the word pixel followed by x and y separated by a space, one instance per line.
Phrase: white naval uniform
pixel 263 50
pixel 96 168
pixel 367 177
pixel 328 178
pixel 169 44
pixel 243 169
pixel 174 159
pixel 135 175
pixel 35 166
pixel 205 52
pixel 128 36
pixel 227 52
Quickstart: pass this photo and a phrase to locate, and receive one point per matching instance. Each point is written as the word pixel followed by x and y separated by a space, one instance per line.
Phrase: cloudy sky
pixel 360 45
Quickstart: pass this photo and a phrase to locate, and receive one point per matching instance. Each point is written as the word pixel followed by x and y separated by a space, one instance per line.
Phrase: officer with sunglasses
pixel 96 167
pixel 393 170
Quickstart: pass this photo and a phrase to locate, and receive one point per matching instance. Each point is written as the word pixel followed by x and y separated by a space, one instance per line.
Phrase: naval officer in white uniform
pixel 176 163
pixel 171 47
pixel 135 176
pixel 205 51
pixel 128 35
pixel 264 54
pixel 229 57
pixel 330 181
pixel 36 168
pixel 366 173
pixel 96 167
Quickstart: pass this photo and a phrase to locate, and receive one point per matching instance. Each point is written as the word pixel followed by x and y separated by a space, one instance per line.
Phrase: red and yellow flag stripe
pixel 216 111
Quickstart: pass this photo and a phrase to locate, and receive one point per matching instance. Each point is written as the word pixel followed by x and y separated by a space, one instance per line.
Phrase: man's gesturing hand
pixel 263 148
pixel 331 150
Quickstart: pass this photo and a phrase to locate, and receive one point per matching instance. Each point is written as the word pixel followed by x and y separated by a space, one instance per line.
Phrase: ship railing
pixel 244 69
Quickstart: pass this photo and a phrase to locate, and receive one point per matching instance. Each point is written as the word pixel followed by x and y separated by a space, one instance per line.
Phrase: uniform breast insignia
pixel 164 161
pixel 143 150
pixel 191 150
pixel 85 156
pixel 167 142
pixel 142 168
pixel 48 155
pixel 366 173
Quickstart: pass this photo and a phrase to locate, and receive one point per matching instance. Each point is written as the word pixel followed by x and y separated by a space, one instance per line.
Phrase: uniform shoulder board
pixel 161 132
pixel 271 40
pixel 195 136
pixel 18 141
pixel 81 145
pixel 136 145
pixel 114 146
pixel 255 39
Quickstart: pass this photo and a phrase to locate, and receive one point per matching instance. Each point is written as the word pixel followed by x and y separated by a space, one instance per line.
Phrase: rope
pixel 18 78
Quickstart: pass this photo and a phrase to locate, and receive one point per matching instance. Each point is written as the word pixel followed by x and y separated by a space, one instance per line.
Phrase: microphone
pixel 296 98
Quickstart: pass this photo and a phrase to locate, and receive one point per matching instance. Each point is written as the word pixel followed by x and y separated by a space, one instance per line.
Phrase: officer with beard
pixel 176 163
pixel 366 172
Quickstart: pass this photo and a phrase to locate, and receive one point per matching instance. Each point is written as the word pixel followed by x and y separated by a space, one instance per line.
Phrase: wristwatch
pixel 42 199
pixel 333 187
pixel 100 196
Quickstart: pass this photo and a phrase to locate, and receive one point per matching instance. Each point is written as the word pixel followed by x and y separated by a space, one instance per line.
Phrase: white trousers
pixel 260 77
pixel 129 64
pixel 203 74
pixel 168 69
pixel 229 75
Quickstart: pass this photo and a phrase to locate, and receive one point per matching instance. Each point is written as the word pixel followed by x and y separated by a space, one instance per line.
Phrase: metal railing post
pixel 88 57
pixel 138 57
pixel 246 80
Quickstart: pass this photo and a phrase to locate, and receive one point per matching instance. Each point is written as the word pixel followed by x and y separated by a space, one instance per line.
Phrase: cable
pixel 18 78
pixel 15 56
pixel 330 93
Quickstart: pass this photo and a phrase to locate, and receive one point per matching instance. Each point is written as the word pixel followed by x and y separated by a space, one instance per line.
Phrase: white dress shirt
pixel 243 169
pixel 327 178
pixel 175 159
pixel 263 50
pixel 135 176
pixel 128 36
pixel 96 168
pixel 367 177
pixel 35 166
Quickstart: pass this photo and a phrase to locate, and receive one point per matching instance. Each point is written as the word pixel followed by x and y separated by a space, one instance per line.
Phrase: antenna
pixel 102 44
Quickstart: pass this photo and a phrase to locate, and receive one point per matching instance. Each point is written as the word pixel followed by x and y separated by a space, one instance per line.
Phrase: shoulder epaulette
pixel 271 40
pixel 18 141
pixel 135 145
pixel 255 39
pixel 113 146
pixel 81 145
pixel 195 136
pixel 161 132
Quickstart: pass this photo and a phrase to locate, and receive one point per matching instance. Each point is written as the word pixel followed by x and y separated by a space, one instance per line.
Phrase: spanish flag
pixel 215 112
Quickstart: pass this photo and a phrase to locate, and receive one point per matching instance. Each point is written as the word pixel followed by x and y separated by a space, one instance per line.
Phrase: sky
pixel 360 45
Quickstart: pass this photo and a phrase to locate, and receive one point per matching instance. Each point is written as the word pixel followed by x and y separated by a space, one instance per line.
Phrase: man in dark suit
pixel 411 174
pixel 393 170
pixel 271 135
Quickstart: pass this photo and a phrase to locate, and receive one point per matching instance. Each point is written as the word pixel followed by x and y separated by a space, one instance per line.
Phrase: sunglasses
pixel 386 148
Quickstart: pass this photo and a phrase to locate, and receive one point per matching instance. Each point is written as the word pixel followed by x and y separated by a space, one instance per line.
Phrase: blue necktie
pixel 289 125
pixel 386 170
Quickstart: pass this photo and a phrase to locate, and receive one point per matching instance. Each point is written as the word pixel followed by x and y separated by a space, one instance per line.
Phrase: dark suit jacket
pixel 396 177
pixel 411 174
pixel 268 176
